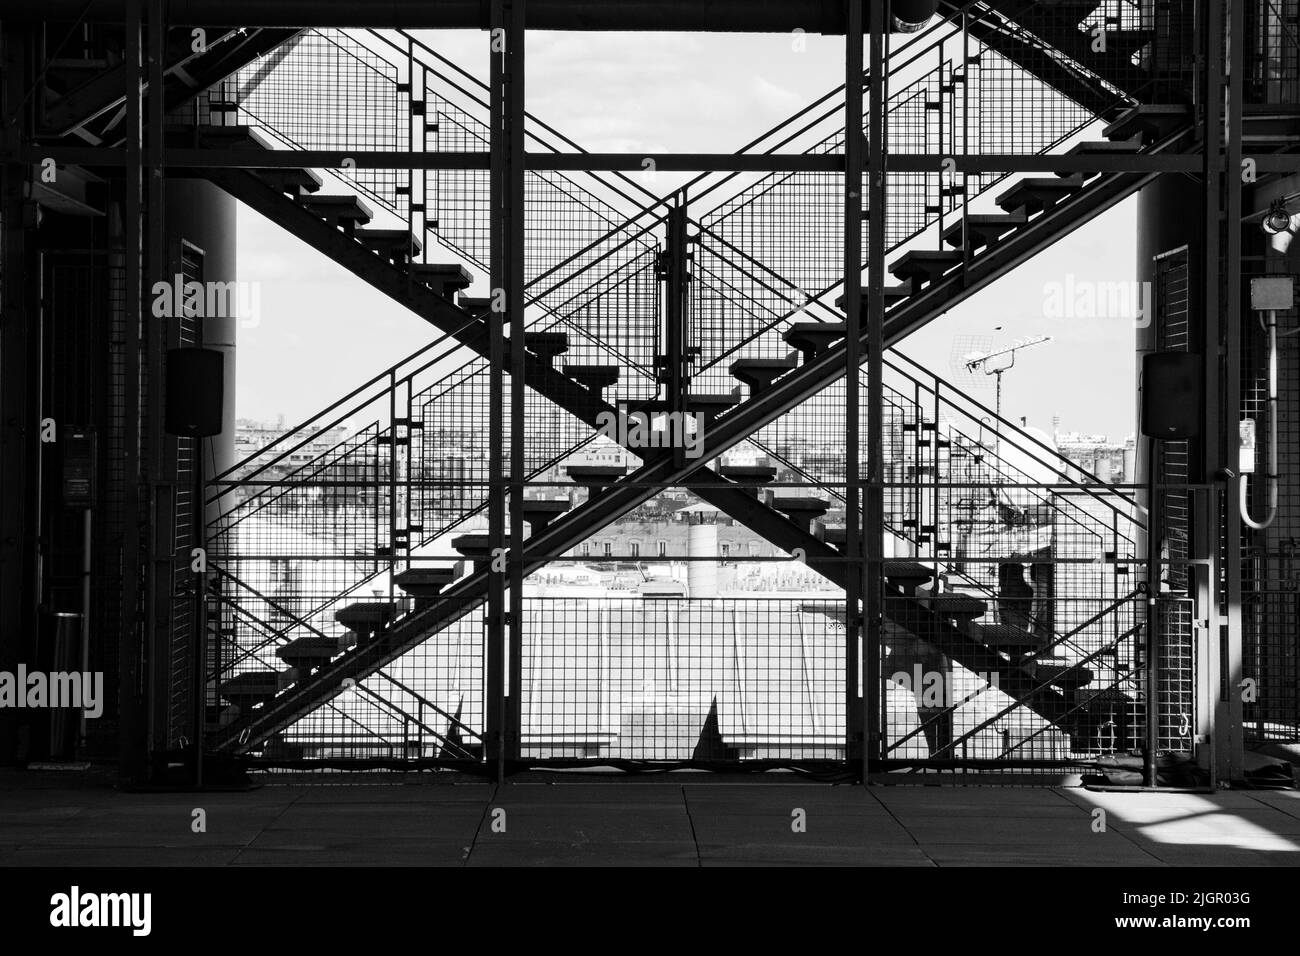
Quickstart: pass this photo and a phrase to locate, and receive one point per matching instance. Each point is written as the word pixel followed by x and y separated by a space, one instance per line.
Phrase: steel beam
pixel 687 16
pixel 873 340
pixel 494 704
pixel 513 96
pixel 1229 412
pixel 1207 514
pixel 132 727
pixel 181 156
pixel 19 386
pixel 854 680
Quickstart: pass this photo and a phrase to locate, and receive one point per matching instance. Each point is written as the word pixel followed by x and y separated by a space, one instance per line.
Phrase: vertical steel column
pixel 1230 722
pixel 494 699
pixel 875 492
pixel 131 733
pixel 19 415
pixel 675 309
pixel 507 260
pixel 855 681
pixel 514 273
pixel 160 472
pixel 1207 515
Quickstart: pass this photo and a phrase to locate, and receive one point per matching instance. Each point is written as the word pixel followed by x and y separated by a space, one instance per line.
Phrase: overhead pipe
pixel 1244 487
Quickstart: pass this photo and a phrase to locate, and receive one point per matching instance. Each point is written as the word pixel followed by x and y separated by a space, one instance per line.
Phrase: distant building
pixel 1111 461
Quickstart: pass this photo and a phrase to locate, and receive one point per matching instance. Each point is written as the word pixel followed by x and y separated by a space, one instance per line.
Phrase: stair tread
pixel 800 503
pixel 474 303
pixel 450 270
pixel 1063 674
pixel 337 207
pixel 593 374
pixel 545 505
pixel 925 263
pixel 983 227
pixel 253 680
pixel 782 363
pixel 305 649
pixel 1143 119
pixel 713 399
pixel 389 237
pixel 366 614
pixel 897 291
pixel 763 473
pixel 1039 192
pixel 1007 635
pixel 956 604
pixel 419 576
pixel 596 471
pixel 908 570
pixel 547 343
pixel 293 177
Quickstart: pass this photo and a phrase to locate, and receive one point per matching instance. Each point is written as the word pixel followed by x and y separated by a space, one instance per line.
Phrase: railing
pixel 393 481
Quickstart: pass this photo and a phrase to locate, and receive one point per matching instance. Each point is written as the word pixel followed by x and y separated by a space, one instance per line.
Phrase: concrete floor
pixel 48 819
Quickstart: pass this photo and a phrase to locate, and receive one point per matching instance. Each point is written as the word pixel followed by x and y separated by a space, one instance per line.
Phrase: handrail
pixel 1020 701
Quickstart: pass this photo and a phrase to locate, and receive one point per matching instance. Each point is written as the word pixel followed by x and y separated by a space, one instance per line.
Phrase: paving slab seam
pixel 283 810
pixel 871 792
pixel 686 804
pixel 1122 832
pixel 487 808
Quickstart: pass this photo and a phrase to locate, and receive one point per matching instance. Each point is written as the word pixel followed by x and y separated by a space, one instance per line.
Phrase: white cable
pixel 1272 437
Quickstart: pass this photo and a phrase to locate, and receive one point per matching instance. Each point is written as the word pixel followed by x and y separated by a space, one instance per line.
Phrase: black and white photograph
pixel 648 433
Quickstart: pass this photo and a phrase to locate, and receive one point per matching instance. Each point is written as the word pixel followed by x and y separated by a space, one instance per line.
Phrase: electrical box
pixel 1246 448
pixel 1269 293
pixel 78 480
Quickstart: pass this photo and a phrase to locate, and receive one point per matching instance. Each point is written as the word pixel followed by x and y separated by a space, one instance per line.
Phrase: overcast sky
pixel 323 331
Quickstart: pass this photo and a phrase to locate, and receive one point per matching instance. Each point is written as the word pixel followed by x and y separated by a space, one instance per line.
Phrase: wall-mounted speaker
pixel 195 380
pixel 1173 389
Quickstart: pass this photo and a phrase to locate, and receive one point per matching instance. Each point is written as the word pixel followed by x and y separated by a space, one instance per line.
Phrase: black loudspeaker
pixel 1172 395
pixel 195 380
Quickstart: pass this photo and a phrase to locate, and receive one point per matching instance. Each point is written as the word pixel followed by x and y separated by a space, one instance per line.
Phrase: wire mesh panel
pixel 425 706
pixel 1174 517
pixel 678 679
pixel 777 244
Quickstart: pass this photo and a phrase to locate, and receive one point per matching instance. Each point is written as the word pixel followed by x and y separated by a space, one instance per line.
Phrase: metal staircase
pixel 752 348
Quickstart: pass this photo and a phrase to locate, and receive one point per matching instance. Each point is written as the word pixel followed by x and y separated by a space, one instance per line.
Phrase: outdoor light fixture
pixel 1280 224
pixel 910 16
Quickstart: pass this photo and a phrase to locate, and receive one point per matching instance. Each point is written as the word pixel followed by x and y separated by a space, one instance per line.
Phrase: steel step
pixel 595 377
pixel 760 373
pixel 925 265
pixel 712 404
pixel 539 512
pixel 444 278
pixel 425 582
pixel 547 345
pixel 1004 637
pixel 1036 193
pixel 341 212
pixel 395 245
pixel 252 688
pixel 308 653
pixel 366 617
pixel 1149 122
pixel 295 182
pixel 813 338
pixel 983 228
pixel 595 477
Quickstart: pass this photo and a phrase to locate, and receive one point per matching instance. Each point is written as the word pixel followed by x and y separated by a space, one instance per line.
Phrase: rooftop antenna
pixel 995 363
